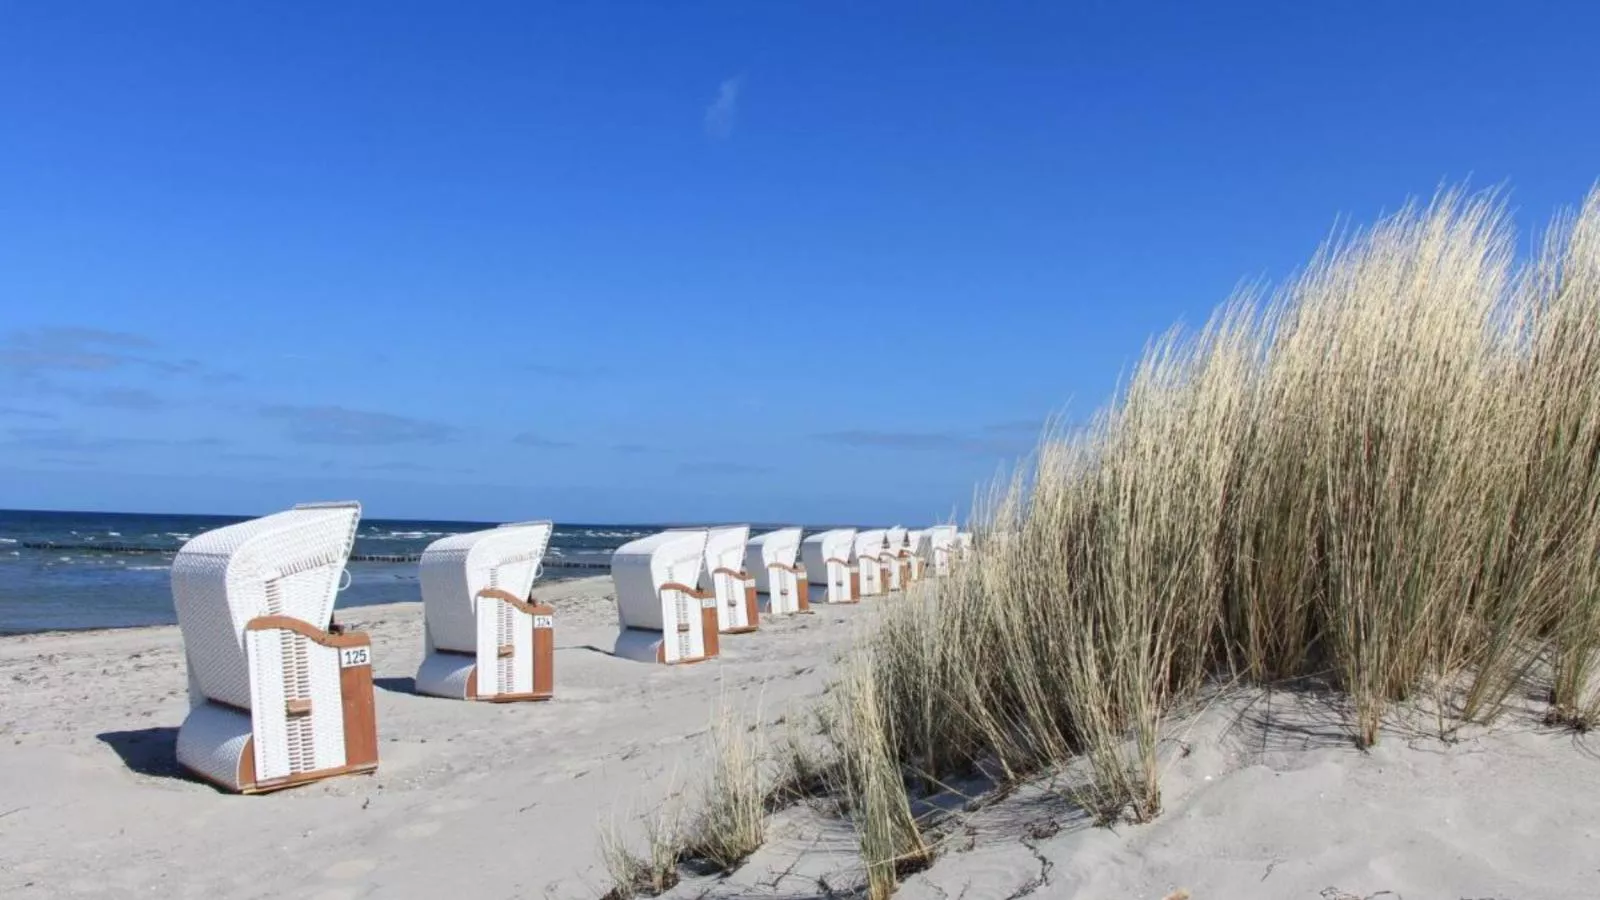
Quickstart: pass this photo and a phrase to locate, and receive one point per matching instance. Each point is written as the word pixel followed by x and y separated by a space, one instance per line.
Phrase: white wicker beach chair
pixel 484 638
pixel 830 564
pixel 663 614
pixel 869 552
pixel 941 546
pixel 919 553
pixel 276 698
pixel 725 576
pixel 771 558
pixel 894 560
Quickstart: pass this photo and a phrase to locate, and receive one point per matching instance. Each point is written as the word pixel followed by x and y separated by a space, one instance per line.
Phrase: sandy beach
pixel 1264 797
pixel 493 800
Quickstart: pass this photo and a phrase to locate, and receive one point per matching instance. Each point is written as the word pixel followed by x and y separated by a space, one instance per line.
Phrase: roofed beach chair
pixel 894 559
pixel 276 697
pixel 830 563
pixel 663 614
pixel 917 552
pixel 484 638
pixel 772 558
pixel 941 544
pixel 726 576
pixel 869 549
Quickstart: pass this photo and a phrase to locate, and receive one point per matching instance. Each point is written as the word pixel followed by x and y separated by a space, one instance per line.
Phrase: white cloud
pixel 724 110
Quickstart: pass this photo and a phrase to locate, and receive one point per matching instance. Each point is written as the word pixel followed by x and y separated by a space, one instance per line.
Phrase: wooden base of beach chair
pixel 217 743
pixel 709 629
pixel 454 675
pixel 648 646
pixel 752 613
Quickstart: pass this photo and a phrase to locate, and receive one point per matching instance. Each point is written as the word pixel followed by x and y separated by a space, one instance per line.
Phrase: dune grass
pixel 1385 475
pixel 653 872
pixel 731 822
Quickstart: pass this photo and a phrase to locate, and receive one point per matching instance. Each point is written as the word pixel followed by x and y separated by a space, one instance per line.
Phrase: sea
pixel 77 570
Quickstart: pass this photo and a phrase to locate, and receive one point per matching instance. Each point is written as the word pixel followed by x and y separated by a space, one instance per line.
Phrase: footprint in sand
pixel 419 830
pixel 350 868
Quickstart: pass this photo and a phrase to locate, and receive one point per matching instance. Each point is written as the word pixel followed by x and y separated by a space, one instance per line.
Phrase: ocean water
pixel 69 570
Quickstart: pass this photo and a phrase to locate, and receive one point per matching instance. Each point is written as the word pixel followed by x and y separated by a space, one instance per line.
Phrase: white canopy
pixel 870 542
pixel 640 568
pixel 816 550
pixel 724 549
pixel 781 547
pixel 454 569
pixel 285 564
pixel 896 537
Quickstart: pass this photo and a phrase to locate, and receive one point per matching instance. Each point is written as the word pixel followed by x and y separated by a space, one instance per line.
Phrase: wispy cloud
pixel 70 348
pixel 136 399
pixel 722 468
pixel 723 112
pixel 339 425
pixel 36 415
pixel 30 352
pixel 1006 438
pixel 529 439
pixel 631 448
pixel 72 440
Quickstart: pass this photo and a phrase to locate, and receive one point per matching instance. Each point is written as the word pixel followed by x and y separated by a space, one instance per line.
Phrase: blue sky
pixel 771 261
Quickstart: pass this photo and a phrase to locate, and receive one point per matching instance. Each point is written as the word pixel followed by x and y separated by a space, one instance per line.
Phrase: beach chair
pixel 664 616
pixel 896 573
pixel 483 636
pixel 941 545
pixel 916 554
pixel 725 576
pixel 830 563
pixel 277 697
pixel 869 550
pixel 771 558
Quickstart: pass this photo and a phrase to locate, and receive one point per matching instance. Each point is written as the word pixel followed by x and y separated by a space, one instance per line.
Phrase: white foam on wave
pixel 148 568
pixel 114 534
pixel 8 540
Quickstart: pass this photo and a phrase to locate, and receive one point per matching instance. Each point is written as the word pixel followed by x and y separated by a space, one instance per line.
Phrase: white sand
pixel 469 800
pixel 483 800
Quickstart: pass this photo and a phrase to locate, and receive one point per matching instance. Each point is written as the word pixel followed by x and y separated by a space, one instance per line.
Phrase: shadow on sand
pixel 148 751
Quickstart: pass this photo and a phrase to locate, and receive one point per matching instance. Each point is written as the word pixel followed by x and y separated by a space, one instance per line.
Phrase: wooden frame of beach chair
pixel 832 575
pixel 663 615
pixel 732 584
pixel 279 696
pixel 941 548
pixel 484 637
pixel 771 558
pixel 896 574
pixel 919 544
pixel 869 551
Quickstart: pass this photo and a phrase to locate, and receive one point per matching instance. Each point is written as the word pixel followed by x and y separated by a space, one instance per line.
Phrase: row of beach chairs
pixel 280 695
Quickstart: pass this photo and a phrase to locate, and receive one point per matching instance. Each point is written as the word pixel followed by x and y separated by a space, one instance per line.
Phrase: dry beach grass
pixel 1383 479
